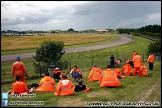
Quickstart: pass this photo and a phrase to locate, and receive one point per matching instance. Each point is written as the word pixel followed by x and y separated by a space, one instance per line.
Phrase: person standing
pixel 18 69
pixel 134 53
pixel 150 60
pixel 112 61
pixel 137 60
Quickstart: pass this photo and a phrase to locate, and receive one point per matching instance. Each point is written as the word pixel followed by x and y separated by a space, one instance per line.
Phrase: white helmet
pixel 56 68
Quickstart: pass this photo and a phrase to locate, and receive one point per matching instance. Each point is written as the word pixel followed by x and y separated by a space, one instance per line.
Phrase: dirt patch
pixel 145 94
pixel 99 94
pixel 69 102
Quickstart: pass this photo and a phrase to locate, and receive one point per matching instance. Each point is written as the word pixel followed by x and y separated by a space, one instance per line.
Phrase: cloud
pixel 79 15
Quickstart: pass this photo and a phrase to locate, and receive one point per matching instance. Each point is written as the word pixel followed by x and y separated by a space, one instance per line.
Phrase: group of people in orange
pixel 107 78
pixel 47 83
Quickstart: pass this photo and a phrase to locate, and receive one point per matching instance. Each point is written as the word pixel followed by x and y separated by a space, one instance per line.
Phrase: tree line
pixel 153 31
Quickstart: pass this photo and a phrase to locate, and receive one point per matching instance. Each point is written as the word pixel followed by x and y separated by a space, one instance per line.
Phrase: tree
pixel 155 47
pixel 48 53
pixel 70 30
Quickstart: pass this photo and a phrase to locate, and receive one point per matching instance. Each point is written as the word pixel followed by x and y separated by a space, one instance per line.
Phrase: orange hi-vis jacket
pixel 18 69
pixel 64 87
pixel 76 70
pixel 76 73
pixel 133 55
pixel 57 71
pixel 127 69
pixel 118 73
pixel 109 78
pixel 46 85
pixel 94 74
pixel 144 71
pixel 19 87
pixel 151 58
pixel 137 60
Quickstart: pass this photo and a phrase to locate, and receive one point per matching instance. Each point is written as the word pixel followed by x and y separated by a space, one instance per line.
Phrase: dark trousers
pixel 112 65
pixel 150 66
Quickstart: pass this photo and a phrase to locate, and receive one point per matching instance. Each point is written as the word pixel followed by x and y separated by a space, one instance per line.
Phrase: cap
pixel 17 58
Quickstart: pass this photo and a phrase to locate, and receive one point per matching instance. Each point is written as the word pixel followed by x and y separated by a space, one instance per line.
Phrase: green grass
pixel 85 59
pixel 9 46
pixel 133 88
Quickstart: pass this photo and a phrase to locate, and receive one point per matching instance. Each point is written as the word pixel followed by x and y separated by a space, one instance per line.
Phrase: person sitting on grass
pixel 117 62
pixel 64 87
pixel 76 73
pixel 127 69
pixel 118 72
pixel 46 84
pixel 19 87
pixel 108 78
pixel 81 87
pixel 56 74
pixel 143 70
pixel 94 73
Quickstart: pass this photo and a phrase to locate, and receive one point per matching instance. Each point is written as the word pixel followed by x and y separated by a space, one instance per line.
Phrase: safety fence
pixel 83 61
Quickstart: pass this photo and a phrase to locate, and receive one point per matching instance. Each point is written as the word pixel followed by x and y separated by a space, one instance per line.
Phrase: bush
pixel 47 54
pixel 154 47
pixel 40 68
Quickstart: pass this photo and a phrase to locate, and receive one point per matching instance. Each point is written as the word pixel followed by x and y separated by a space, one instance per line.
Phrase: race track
pixel 25 56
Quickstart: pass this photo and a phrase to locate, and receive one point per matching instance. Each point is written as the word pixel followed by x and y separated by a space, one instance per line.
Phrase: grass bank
pixel 133 89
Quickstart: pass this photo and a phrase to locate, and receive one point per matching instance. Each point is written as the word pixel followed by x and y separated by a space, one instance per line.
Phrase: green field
pixel 133 89
pixel 26 44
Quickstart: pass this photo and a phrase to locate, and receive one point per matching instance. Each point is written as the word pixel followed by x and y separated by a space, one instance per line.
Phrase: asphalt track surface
pixel 25 56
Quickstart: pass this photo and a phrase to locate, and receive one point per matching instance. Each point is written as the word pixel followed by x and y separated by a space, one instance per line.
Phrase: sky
pixel 78 15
